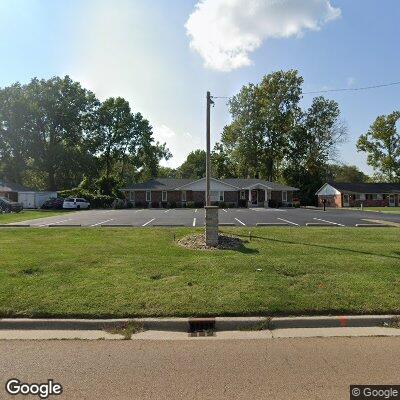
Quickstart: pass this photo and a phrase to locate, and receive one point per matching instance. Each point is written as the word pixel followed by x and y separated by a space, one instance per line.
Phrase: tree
pixel 221 165
pixel 44 127
pixel 382 145
pixel 166 172
pixel 312 144
pixel 263 117
pixel 195 165
pixel 346 174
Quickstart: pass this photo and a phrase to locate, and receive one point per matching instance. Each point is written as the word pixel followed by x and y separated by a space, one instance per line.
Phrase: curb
pixel 185 324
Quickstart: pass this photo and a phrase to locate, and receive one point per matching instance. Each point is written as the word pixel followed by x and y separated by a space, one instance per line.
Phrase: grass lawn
pixel 388 210
pixel 141 272
pixel 27 215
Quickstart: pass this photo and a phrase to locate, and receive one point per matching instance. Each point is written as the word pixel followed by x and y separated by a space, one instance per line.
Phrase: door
pixel 392 200
pixel 346 201
pixel 27 199
pixel 254 197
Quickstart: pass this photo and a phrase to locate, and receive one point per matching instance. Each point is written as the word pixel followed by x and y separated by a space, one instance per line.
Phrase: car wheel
pixel 78 207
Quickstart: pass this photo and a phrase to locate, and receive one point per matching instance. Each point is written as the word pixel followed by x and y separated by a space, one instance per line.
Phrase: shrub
pixel 274 203
pixel 242 203
pixel 190 204
pixel 172 204
pixel 155 204
pixel 129 204
pixel 199 204
pixel 95 200
pixel 222 204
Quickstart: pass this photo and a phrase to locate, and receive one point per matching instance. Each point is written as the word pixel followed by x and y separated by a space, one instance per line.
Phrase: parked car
pixel 75 203
pixel 8 206
pixel 53 204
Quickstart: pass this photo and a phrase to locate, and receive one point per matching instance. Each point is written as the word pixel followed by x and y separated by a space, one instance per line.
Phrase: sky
pixel 163 56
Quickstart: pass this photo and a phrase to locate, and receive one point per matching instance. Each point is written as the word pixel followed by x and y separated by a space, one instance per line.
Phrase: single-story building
pixel 169 192
pixel 27 197
pixel 355 194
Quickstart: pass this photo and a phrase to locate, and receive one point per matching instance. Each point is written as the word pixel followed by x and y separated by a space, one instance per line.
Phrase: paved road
pixel 194 369
pixel 195 217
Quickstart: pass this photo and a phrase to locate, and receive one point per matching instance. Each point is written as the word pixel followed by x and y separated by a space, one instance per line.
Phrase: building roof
pixel 366 187
pixel 12 187
pixel 172 184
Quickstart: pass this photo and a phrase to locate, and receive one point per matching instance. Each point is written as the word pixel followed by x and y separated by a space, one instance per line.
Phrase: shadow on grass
pixel 321 246
pixel 245 250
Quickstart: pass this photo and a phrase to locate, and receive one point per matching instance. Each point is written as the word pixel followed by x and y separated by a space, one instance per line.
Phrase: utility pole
pixel 211 212
pixel 208 153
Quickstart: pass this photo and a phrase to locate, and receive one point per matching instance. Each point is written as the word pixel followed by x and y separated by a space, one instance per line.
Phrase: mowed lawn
pixel 387 210
pixel 27 215
pixel 142 272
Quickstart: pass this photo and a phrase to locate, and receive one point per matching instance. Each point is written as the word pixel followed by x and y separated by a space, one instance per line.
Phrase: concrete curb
pixel 14 226
pixel 184 324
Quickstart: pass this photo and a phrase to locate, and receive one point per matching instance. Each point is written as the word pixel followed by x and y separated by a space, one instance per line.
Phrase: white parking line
pixel 194 221
pixel 195 210
pixel 167 211
pixel 289 222
pixel 240 222
pixel 328 222
pixel 148 222
pixel 103 222
pixel 224 210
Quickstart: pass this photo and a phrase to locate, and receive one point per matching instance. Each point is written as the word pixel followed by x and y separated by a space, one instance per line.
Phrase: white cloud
pixel 224 32
pixel 162 132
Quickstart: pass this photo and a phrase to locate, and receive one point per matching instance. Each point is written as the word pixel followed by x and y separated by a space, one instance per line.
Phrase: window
pixel 221 196
pixel 148 195
pixel 284 197
pixel 374 197
pixel 183 195
pixel 164 195
pixel 216 195
pixel 379 196
pixel 131 195
pixel 362 196
pixel 242 195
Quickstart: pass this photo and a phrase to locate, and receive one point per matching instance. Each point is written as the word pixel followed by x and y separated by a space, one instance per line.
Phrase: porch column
pixel 266 198
pixel 249 204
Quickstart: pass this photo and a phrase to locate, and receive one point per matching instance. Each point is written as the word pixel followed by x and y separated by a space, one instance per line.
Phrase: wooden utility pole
pixel 211 212
pixel 208 153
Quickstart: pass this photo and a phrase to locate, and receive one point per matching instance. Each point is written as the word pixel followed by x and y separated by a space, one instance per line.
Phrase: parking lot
pixel 227 217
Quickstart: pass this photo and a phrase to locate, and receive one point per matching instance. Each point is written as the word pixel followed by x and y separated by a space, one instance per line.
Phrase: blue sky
pixel 143 51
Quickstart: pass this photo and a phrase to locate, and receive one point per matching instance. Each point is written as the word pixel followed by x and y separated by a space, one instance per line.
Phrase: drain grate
pixel 201 327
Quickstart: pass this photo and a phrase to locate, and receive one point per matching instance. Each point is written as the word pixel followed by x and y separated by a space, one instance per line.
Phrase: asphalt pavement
pixel 227 217
pixel 301 369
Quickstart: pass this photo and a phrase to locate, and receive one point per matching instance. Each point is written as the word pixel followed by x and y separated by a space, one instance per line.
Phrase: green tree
pixel 44 128
pixel 382 145
pixel 166 172
pixel 195 165
pixel 346 174
pixel 263 117
pixel 221 165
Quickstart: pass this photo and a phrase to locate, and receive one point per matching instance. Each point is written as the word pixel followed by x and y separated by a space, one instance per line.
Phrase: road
pixel 312 368
pixel 195 217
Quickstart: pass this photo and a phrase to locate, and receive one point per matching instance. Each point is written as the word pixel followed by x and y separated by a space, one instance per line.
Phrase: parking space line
pixel 148 222
pixel 288 222
pixel 167 211
pixel 103 222
pixel 224 210
pixel 195 210
pixel 240 222
pixel 194 221
pixel 328 222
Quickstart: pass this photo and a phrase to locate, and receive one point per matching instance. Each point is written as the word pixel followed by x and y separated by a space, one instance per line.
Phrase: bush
pixel 172 204
pixel 139 204
pixel 242 203
pixel 199 204
pixel 274 203
pixel 190 204
pixel 222 204
pixel 155 204
pixel 119 204
pixel 230 205
pixel 129 204
pixel 95 200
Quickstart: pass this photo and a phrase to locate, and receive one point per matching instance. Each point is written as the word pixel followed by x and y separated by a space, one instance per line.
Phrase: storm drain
pixel 199 327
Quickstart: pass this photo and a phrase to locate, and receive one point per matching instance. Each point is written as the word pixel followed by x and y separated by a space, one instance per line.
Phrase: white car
pixel 75 203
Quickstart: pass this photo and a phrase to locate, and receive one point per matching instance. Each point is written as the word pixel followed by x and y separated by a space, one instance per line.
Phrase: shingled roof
pixel 366 187
pixel 12 187
pixel 173 183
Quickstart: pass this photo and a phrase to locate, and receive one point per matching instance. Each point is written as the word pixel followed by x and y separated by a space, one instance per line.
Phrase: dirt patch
pixel 198 242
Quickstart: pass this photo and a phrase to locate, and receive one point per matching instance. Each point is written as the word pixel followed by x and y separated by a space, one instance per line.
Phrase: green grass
pixel 387 210
pixel 27 215
pixel 142 272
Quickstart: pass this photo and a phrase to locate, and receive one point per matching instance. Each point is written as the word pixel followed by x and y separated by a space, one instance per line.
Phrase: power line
pixel 335 90
pixel 353 89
